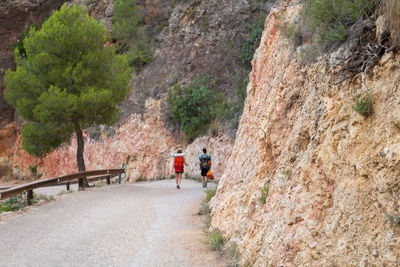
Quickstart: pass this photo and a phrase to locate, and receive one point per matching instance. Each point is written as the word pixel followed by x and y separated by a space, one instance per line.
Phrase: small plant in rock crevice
pixel 215 240
pixel 210 193
pixel 233 255
pixel 362 104
pixel 264 194
pixel 393 218
pixel 141 179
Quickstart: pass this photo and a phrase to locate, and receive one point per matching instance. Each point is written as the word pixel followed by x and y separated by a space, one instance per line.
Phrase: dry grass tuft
pixel 391 9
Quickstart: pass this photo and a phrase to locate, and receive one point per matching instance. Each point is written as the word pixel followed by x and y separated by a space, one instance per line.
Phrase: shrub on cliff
pixel 330 19
pixel 191 108
pixel 327 22
pixel 67 82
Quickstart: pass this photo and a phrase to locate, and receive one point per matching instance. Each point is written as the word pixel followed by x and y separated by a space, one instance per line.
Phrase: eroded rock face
pixel 332 174
pixel 15 18
pixel 142 142
pixel 192 38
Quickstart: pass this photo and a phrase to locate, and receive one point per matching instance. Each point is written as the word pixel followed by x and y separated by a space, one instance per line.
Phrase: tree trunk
pixel 79 155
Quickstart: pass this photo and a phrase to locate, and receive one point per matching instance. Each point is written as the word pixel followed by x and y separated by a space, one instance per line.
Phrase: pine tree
pixel 67 81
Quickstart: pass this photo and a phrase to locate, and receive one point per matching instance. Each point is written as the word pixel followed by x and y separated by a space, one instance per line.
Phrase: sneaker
pixel 178 187
pixel 204 185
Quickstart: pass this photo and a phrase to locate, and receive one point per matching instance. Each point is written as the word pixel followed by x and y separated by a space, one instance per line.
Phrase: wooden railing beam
pixel 12 191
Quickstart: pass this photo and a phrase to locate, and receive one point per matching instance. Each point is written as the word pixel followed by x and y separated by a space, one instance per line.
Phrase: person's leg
pixel 203 177
pixel 179 179
pixel 204 180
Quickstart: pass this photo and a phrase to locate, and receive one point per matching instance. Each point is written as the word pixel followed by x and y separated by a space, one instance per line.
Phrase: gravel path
pixel 145 224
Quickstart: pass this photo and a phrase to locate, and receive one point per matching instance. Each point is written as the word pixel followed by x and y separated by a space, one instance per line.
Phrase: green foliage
pixel 210 193
pixel 330 19
pixel 191 108
pixel 141 179
pixel 19 202
pixel 337 33
pixel 100 184
pixel 362 104
pixel 233 255
pixel 15 202
pixel 203 23
pixel 130 33
pixel 192 13
pixel 264 194
pixel 292 33
pixel 33 169
pixel 205 209
pixel 325 22
pixel 230 110
pixel 67 80
pixel 194 178
pixel 5 207
pixel 215 240
pixel 248 48
pixel 393 218
pixel 309 54
pixel 20 44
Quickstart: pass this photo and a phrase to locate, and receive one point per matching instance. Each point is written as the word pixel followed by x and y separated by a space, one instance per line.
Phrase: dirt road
pixel 146 224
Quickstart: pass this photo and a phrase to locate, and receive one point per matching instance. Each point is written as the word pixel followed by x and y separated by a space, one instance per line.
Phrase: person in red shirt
pixel 179 164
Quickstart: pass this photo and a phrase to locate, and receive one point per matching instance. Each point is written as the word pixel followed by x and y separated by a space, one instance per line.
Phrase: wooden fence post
pixel 67 186
pixel 80 183
pixel 29 197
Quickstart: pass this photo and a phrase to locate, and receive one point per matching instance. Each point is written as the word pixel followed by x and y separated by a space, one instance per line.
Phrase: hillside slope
pixel 332 174
pixel 191 39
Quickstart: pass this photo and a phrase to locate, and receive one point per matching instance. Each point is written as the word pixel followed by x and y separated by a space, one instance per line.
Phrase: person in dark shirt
pixel 205 166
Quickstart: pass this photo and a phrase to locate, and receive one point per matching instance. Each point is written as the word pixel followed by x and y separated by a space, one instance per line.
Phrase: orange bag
pixel 210 176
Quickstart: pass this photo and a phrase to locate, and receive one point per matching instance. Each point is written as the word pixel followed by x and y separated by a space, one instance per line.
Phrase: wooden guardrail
pixel 28 187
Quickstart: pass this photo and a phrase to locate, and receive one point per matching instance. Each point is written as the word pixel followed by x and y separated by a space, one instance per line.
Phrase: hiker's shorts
pixel 178 170
pixel 204 171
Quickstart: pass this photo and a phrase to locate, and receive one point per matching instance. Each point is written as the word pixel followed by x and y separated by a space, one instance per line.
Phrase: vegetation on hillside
pixel 200 106
pixel 325 23
pixel 192 108
pixel 130 34
pixel 67 81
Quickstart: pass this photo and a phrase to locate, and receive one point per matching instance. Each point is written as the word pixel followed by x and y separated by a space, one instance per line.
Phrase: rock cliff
pixel 16 16
pixel 142 142
pixel 332 174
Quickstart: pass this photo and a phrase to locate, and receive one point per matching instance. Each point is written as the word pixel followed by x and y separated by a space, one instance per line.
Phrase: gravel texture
pixel 145 224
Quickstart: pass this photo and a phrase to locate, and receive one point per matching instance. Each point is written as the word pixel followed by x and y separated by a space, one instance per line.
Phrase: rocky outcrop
pixel 200 38
pixel 332 174
pixel 142 142
pixel 16 16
